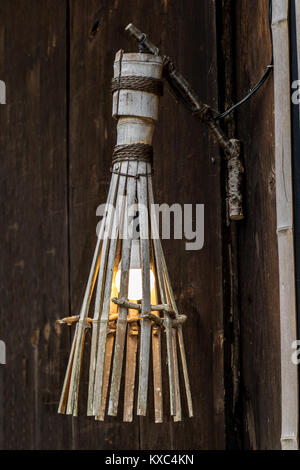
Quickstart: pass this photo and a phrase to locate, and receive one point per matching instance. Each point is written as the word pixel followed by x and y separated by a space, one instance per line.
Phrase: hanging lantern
pixel 135 309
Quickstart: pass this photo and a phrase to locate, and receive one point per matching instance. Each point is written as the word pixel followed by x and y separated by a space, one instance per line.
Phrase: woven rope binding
pixel 148 84
pixel 131 152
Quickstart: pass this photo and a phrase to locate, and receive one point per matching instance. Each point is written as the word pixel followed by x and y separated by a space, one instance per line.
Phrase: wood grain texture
pixel 91 146
pixel 259 300
pixel 34 248
pixel 56 141
pixel 56 137
pixel 184 159
pixel 184 153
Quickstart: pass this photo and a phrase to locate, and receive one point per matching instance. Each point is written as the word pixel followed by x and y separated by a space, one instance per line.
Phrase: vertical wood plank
pixel 187 172
pixel 33 141
pixel 34 252
pixel 258 254
pixel 92 138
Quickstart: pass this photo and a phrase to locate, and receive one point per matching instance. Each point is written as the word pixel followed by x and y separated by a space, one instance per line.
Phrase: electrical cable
pixel 261 81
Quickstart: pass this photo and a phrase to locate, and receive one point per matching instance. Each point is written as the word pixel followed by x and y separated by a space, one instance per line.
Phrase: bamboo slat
pixel 118 214
pixel 74 366
pixel 130 372
pixel 171 301
pixel 122 318
pixel 72 405
pixel 145 335
pixel 107 364
pixel 156 361
pixel 82 324
pixel 106 228
pixel 285 224
pixel 177 416
pixel 163 296
pixel 69 397
pixel 180 338
pixel 65 390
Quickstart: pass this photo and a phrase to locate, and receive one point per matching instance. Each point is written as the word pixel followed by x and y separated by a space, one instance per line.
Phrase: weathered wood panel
pixel 188 162
pixel 260 328
pixel 185 173
pixel 34 248
pixel 56 143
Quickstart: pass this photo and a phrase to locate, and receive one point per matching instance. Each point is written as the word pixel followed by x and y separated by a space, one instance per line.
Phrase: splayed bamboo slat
pixel 107 363
pixel 163 296
pixel 145 262
pixel 131 353
pixel 122 318
pixel 156 364
pixel 104 229
pixel 107 292
pixel 131 314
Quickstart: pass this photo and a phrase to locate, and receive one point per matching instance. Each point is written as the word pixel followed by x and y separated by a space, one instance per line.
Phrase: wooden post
pixel 285 224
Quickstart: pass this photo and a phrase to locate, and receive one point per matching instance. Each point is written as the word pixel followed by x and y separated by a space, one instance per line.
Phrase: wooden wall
pixel 56 142
pixel 258 261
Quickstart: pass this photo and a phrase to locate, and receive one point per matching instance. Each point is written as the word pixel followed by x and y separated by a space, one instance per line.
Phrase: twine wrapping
pixel 147 84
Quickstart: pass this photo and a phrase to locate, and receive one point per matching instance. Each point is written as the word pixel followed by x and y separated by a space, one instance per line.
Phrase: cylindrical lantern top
pixel 137 85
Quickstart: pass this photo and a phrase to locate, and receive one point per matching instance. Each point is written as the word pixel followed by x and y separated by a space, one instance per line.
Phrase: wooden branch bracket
pixel 184 92
pixel 159 321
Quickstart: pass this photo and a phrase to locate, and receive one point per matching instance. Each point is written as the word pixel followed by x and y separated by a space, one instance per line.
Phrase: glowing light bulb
pixel 135 289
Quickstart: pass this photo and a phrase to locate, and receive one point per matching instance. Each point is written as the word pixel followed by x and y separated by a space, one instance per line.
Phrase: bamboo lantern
pixel 135 309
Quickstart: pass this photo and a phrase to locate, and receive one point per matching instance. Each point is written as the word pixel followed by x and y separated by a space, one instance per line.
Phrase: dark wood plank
pixel 34 250
pixel 257 240
pixel 92 137
pixel 34 271
pixel 182 150
pixel 187 172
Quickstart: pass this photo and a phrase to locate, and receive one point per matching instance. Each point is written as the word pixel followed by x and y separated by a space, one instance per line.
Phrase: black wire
pixel 261 81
